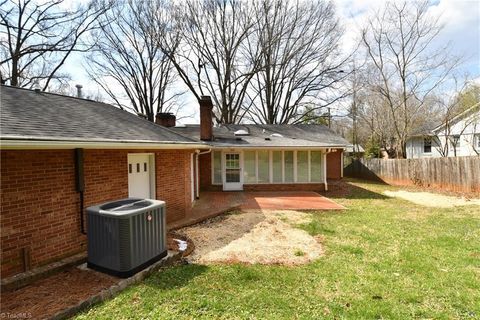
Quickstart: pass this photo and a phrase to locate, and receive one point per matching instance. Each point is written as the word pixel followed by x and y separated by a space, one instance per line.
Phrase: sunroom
pixel 269 169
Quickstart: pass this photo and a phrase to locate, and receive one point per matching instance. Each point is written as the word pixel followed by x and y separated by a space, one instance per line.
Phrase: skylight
pixel 277 135
pixel 241 132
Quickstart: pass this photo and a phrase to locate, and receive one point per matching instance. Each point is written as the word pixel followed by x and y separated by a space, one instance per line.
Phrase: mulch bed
pixel 44 298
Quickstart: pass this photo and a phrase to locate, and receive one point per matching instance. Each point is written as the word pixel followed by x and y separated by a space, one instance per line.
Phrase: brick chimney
pixel 206 115
pixel 165 119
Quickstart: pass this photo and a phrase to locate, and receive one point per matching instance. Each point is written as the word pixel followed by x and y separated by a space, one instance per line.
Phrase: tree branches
pixel 261 60
pixel 37 39
pixel 299 51
pixel 126 60
pixel 398 43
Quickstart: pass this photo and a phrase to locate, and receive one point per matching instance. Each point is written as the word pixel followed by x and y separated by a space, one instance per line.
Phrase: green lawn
pixel 384 259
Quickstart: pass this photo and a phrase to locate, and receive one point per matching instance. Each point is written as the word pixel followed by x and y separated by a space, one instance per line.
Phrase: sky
pixel 461 20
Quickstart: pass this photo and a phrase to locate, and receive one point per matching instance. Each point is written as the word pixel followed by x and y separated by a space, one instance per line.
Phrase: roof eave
pixel 217 147
pixel 46 143
pixel 457 117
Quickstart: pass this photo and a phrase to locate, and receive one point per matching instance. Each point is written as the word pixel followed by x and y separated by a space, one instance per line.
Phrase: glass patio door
pixel 233 171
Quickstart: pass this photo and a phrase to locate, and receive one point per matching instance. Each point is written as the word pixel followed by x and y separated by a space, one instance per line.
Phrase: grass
pixel 299 253
pixel 385 258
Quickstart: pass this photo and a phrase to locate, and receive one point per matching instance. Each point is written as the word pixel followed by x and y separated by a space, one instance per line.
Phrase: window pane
pixel 302 166
pixel 427 145
pixel 288 166
pixel 249 175
pixel 316 171
pixel 263 167
pixel 455 141
pixel 217 167
pixel 277 166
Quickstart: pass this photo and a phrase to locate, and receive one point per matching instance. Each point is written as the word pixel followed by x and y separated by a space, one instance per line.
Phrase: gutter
pixel 39 143
pixel 320 148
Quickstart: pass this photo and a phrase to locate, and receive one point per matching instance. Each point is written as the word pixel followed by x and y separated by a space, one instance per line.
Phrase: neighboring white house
pixel 459 137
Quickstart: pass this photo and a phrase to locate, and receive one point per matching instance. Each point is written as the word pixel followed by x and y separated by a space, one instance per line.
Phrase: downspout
pixel 197 185
pixel 342 162
pixel 80 185
pixel 327 151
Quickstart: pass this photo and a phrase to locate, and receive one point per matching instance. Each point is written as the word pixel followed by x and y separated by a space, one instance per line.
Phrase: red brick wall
pixel 334 165
pixel 172 171
pixel 174 182
pixel 105 175
pixel 40 207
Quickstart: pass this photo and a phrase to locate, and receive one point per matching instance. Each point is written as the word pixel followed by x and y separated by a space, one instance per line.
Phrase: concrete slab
pixel 280 200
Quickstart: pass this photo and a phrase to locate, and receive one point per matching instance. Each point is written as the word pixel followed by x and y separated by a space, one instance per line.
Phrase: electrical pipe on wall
pixel 80 184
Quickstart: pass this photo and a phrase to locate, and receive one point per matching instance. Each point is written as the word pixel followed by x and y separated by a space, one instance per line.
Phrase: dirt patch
pixel 265 237
pixel 44 298
pixel 429 199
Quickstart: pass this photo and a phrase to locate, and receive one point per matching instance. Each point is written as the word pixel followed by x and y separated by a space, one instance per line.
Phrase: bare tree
pixel 372 114
pixel 210 59
pixel 398 41
pixel 36 38
pixel 127 63
pixel 354 83
pixel 299 43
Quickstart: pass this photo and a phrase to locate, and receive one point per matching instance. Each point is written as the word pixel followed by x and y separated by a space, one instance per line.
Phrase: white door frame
pixel 151 168
pixel 229 186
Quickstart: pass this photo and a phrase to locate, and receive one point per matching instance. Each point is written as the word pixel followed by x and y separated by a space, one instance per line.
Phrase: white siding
pixel 469 131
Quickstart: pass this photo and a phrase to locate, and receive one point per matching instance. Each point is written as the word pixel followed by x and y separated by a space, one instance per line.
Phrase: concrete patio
pixel 212 203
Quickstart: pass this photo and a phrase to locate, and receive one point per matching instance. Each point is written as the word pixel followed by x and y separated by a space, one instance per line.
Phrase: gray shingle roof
pixel 260 135
pixel 26 114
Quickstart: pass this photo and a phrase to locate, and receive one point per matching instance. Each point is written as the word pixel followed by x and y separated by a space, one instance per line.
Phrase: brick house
pixel 62 154
pixel 264 157
pixel 47 140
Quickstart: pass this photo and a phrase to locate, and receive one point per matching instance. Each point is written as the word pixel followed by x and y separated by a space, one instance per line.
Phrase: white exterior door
pixel 232 174
pixel 140 175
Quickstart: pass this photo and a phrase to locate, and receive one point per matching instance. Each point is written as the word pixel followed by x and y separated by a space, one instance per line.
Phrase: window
pixel 427 145
pixel 455 141
pixel 232 167
pixel 316 170
pixel 302 166
pixel 249 171
pixel 263 166
pixel 217 167
pixel 288 163
pixel 277 166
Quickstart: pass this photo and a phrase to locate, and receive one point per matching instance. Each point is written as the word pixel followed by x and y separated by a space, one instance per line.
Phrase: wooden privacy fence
pixel 455 173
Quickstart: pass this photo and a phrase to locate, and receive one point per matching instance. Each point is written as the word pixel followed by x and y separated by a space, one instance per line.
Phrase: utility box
pixel 126 236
